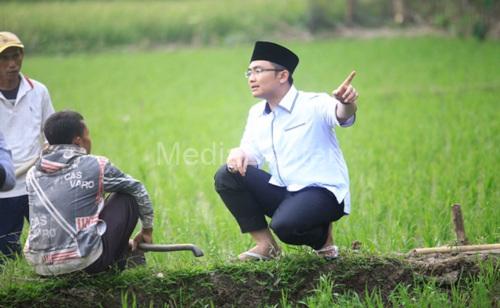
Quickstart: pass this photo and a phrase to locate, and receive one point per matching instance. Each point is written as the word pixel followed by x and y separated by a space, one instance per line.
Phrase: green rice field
pixel 426 136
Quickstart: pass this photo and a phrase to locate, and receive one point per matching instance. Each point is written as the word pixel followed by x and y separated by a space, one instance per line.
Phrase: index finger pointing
pixel 349 79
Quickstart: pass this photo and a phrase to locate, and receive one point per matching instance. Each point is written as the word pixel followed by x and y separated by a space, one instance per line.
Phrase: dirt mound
pixel 258 284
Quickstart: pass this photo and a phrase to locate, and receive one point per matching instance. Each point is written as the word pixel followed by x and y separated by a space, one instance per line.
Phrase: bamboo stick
pixel 451 249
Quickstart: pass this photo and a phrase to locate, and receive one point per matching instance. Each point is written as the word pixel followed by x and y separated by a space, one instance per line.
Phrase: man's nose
pixel 251 78
pixel 11 61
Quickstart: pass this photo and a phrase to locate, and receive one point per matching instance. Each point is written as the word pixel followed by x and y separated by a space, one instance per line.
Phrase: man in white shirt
pixel 24 106
pixel 307 187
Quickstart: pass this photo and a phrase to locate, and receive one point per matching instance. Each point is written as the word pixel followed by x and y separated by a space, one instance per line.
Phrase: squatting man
pixel 307 187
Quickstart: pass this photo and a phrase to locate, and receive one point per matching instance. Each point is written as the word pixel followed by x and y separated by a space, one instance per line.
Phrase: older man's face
pixel 11 60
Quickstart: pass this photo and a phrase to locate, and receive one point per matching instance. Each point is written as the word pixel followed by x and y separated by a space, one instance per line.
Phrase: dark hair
pixel 63 126
pixel 282 68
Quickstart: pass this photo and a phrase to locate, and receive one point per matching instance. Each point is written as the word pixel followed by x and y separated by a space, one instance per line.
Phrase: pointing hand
pixel 346 93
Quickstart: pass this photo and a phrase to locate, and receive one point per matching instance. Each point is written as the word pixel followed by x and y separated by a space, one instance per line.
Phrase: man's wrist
pixel 344 103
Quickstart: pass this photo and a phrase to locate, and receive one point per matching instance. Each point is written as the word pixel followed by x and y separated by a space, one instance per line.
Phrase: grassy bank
pixel 305 281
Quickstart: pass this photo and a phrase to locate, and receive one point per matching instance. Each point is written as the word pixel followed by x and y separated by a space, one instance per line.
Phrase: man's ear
pixel 284 76
pixel 77 141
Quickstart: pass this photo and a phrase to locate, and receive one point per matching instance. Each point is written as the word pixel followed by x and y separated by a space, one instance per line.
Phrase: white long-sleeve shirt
pixel 21 122
pixel 298 142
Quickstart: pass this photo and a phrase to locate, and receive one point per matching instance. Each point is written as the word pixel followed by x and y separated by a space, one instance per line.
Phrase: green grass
pixel 60 27
pixel 426 136
pixel 472 293
pixel 64 26
pixel 298 280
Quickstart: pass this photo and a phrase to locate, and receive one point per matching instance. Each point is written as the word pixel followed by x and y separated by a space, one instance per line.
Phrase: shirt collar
pixel 25 85
pixel 287 102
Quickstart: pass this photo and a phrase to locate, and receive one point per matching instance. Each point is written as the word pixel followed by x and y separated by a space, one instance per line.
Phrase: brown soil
pixel 232 286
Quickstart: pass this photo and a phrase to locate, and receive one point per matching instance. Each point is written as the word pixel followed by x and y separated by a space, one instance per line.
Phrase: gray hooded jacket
pixel 66 195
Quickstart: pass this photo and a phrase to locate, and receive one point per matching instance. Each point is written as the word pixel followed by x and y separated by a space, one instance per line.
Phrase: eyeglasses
pixel 259 70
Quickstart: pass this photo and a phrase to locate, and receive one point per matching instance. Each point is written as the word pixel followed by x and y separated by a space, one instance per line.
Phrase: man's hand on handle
pixel 346 93
pixel 144 236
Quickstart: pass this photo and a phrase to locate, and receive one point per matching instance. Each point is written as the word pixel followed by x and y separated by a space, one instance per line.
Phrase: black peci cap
pixel 275 53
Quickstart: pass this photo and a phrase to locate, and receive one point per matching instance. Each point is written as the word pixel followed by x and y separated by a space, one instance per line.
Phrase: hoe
pixel 197 252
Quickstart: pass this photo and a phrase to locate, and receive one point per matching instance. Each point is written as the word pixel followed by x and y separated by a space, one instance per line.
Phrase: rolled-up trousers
pixel 121 213
pixel 298 218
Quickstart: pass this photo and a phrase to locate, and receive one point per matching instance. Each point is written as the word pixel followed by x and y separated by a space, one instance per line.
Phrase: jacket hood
pixel 58 157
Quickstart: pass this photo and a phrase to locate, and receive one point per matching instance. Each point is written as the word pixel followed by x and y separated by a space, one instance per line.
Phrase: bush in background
pixel 67 26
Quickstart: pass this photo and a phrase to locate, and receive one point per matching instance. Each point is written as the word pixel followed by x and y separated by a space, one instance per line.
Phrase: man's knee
pixel 284 230
pixel 121 197
pixel 118 201
pixel 224 179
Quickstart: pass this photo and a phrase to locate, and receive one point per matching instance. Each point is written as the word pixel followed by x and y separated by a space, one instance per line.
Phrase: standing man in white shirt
pixel 24 106
pixel 307 187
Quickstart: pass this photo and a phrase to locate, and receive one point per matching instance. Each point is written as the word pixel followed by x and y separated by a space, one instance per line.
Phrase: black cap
pixel 275 53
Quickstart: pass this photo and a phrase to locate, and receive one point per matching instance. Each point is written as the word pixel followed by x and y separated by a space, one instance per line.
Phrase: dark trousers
pixel 12 213
pixel 120 213
pixel 298 218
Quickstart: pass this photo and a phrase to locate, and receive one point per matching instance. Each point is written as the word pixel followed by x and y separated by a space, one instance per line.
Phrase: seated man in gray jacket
pixel 72 226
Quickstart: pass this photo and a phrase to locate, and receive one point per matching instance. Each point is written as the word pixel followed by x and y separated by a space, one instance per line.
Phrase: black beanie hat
pixel 275 53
